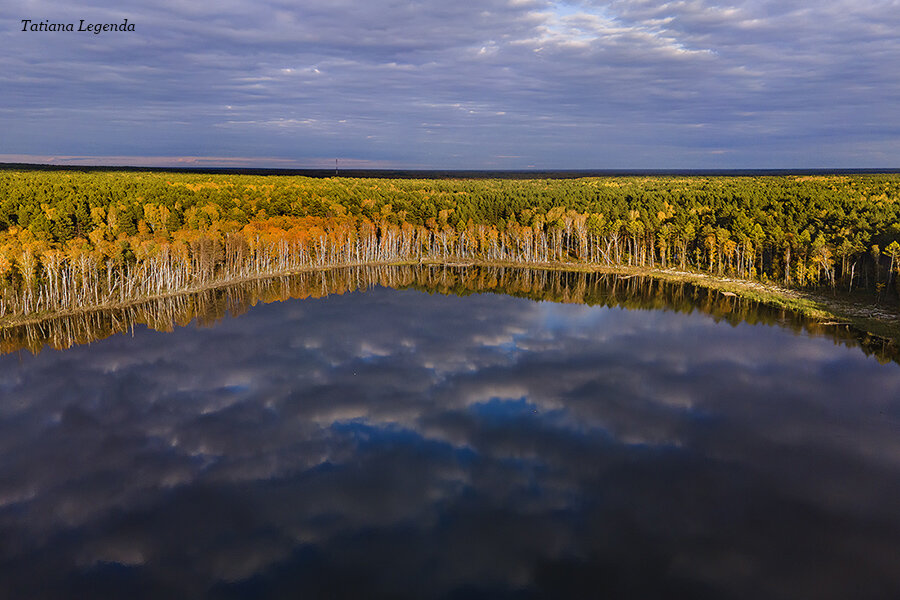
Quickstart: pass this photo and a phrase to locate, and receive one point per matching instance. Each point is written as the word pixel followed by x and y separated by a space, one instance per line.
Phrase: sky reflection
pixel 395 443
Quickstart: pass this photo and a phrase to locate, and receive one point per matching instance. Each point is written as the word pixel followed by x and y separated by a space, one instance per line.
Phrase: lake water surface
pixel 406 444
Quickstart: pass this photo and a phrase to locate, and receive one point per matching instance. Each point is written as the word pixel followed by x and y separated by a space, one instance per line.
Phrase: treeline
pixel 596 289
pixel 70 239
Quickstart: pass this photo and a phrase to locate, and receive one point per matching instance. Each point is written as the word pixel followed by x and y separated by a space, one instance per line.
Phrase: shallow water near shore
pixel 396 442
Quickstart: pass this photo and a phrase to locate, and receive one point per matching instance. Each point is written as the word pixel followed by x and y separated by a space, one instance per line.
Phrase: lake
pixel 448 433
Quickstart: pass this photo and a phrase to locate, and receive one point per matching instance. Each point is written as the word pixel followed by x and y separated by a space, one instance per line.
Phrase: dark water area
pixel 456 173
pixel 395 442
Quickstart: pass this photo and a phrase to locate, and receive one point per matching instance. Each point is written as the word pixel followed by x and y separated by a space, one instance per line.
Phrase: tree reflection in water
pixel 595 289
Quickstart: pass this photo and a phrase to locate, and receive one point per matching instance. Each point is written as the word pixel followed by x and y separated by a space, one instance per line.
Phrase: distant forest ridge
pixel 77 237
pixel 459 173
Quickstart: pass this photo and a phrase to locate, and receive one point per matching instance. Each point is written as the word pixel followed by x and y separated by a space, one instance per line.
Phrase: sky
pixel 434 84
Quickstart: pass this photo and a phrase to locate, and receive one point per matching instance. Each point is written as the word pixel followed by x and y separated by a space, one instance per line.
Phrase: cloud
pixel 578 84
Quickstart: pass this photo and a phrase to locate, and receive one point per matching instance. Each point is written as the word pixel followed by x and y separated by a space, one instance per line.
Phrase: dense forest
pixel 80 238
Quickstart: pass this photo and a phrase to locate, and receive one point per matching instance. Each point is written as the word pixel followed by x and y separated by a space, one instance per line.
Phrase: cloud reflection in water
pixel 395 443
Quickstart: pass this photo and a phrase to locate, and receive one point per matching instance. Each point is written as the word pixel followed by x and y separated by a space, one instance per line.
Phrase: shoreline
pixel 878 321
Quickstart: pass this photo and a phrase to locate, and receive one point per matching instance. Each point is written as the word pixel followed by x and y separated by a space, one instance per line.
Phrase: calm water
pixel 396 443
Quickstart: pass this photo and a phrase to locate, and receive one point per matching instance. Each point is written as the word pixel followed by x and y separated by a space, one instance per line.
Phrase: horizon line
pixel 399 172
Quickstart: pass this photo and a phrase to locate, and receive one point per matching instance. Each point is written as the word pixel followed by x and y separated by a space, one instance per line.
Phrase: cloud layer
pixel 484 84
pixel 394 443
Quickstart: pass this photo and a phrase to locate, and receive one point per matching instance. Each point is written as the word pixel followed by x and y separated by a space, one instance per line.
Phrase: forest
pixel 71 239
